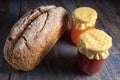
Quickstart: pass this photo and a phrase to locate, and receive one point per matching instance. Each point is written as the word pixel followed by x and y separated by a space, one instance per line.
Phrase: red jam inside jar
pixel 88 66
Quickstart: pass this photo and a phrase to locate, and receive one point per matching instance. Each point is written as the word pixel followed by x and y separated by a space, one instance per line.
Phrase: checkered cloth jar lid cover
pixel 94 44
pixel 84 17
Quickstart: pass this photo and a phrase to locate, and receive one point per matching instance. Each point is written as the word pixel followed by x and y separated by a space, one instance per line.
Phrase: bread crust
pixel 32 37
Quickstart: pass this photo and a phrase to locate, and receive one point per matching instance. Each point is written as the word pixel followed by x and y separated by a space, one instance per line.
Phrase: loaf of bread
pixel 33 35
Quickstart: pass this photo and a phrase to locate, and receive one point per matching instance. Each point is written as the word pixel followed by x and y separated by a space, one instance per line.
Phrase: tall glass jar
pixel 88 66
pixel 92 50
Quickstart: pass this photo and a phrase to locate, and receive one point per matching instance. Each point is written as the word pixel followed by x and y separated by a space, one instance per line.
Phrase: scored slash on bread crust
pixel 34 35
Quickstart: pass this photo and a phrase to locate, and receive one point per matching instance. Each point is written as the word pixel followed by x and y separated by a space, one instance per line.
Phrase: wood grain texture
pixel 53 65
pixel 108 21
pixel 9 12
pixel 60 63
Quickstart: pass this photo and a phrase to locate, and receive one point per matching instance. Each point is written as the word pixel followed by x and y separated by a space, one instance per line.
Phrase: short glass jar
pixel 83 18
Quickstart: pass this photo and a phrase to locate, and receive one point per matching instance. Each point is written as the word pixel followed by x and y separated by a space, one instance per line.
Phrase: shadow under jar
pixel 92 51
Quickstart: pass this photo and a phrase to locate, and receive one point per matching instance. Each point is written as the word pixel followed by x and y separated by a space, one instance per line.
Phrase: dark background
pixel 60 63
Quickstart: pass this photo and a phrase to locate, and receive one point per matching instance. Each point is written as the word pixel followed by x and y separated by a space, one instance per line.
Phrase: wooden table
pixel 59 64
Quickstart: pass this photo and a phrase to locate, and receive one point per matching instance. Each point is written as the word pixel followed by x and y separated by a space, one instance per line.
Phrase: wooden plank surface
pixel 108 21
pixel 60 63
pixel 9 12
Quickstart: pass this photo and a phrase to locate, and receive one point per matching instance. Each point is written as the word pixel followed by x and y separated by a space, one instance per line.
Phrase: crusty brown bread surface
pixel 33 35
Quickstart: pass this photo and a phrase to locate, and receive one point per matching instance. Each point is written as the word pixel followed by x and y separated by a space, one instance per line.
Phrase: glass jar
pixel 92 50
pixel 88 66
pixel 83 18
pixel 75 33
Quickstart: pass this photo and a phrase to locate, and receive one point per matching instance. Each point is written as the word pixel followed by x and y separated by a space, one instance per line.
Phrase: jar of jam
pixel 92 50
pixel 83 18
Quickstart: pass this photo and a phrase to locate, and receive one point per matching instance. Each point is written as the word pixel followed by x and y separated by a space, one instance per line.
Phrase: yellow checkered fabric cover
pixel 84 17
pixel 94 44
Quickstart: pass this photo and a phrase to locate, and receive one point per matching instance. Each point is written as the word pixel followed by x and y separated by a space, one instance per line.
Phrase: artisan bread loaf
pixel 33 35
